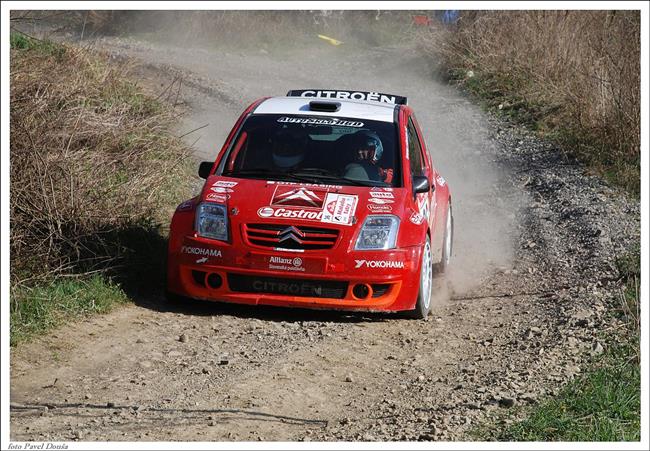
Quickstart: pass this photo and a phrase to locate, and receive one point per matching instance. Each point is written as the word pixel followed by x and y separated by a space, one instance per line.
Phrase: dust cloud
pixel 371 58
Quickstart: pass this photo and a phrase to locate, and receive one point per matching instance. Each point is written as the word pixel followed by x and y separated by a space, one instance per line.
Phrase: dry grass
pixel 573 75
pixel 94 167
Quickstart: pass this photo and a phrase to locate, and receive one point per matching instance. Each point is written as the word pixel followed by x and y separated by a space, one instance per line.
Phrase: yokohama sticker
pixel 201 251
pixel 378 264
pixel 339 208
pixel 225 183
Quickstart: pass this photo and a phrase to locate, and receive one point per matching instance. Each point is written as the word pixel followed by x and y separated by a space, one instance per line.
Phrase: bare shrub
pixel 579 69
pixel 92 161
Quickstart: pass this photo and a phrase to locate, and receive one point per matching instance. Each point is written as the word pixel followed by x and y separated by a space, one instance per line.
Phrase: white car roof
pixel 356 109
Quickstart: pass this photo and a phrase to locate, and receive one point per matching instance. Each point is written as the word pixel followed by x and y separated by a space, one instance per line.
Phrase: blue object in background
pixel 450 16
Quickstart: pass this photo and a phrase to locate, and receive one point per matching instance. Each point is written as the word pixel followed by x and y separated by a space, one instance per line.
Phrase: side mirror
pixel 204 169
pixel 421 184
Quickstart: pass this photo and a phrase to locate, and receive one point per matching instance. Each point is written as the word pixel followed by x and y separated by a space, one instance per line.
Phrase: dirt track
pixel 533 278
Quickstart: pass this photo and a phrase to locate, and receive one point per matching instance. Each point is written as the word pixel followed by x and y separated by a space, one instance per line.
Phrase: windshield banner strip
pixel 319 121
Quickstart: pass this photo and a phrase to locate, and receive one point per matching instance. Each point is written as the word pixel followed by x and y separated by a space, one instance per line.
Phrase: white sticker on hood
pixel 339 208
pixel 226 183
pixel 382 194
pixel 221 189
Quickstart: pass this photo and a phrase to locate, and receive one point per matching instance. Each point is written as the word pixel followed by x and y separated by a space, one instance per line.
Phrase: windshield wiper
pixel 324 174
pixel 262 172
pixel 309 175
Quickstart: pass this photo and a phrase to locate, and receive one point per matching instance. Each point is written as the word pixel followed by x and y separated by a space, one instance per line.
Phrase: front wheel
pixel 423 303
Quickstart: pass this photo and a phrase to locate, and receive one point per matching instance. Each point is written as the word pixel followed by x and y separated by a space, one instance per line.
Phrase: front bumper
pixel 359 280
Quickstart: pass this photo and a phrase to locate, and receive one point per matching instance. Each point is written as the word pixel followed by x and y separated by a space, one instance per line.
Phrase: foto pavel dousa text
pixel 41 445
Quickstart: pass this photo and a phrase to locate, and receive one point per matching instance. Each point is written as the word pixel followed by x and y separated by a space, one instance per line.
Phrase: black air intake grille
pixel 289 287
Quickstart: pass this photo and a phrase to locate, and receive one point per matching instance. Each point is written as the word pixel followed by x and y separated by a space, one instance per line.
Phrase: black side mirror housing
pixel 421 184
pixel 204 169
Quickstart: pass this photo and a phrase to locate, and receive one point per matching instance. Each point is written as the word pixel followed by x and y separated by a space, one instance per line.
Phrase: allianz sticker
pixel 221 189
pixel 225 183
pixel 382 194
pixel 286 263
pixel 193 250
pixel 379 264
pixel 339 208
pixel 380 208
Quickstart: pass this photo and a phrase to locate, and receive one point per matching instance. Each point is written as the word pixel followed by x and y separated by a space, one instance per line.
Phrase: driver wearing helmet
pixel 288 149
pixel 369 150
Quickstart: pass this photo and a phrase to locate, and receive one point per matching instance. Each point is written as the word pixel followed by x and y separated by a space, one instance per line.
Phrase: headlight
pixel 378 232
pixel 212 221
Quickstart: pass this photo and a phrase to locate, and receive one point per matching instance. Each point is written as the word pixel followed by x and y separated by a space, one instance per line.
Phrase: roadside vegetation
pixel 95 171
pixel 573 76
pixel 604 404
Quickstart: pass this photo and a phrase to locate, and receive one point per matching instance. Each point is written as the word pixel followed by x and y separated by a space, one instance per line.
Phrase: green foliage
pixel 21 41
pixel 95 173
pixel 36 310
pixel 604 405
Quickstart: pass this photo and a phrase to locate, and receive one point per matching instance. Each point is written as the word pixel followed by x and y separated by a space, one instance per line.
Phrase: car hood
pixel 255 201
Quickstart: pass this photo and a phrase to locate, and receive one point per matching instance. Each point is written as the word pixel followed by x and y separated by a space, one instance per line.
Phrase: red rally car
pixel 320 199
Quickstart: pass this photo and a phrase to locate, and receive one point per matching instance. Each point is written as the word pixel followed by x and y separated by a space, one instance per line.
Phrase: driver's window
pixel 415 151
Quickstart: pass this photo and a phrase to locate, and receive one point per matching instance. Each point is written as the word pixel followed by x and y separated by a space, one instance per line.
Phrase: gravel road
pixel 534 275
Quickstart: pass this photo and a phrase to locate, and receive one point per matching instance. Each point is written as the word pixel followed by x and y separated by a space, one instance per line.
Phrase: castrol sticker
pixel 290 213
pixel 339 208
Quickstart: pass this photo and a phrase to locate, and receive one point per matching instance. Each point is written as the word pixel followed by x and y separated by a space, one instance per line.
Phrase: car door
pixel 419 165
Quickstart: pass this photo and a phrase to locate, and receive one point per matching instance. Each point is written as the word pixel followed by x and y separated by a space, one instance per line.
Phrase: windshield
pixel 315 149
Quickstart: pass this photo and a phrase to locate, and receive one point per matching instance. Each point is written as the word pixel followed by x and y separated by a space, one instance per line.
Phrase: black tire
pixel 423 303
